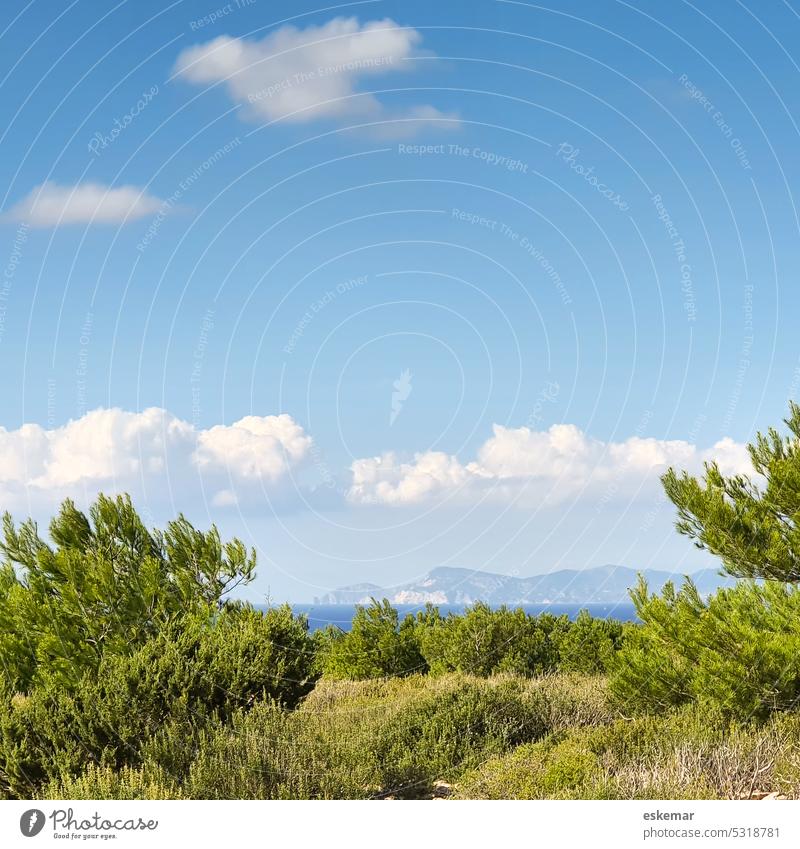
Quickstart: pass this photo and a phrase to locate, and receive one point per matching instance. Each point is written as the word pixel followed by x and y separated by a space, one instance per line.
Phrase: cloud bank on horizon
pixel 316 73
pixel 542 467
pixel 117 450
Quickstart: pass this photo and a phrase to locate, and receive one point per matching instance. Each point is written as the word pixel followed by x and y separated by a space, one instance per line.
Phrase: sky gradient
pixel 386 286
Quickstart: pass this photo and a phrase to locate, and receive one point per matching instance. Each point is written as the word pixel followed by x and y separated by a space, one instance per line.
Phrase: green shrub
pixel 482 641
pixel 156 699
pixel 671 756
pixel 375 738
pixel 250 758
pixel 570 765
pixel 355 740
pixel 377 645
pixel 737 652
pixel 492 738
pixel 573 700
pixel 558 767
pixel 684 753
pixel 105 783
pixel 450 728
pixel 107 586
pixel 588 644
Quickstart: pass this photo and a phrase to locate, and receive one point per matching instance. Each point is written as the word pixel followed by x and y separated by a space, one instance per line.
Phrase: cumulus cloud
pixel 254 447
pixel 117 450
pixel 53 205
pixel 102 445
pixel 303 75
pixel 546 466
pixel 385 480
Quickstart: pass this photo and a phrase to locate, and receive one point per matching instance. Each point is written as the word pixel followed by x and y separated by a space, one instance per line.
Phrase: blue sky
pixel 385 286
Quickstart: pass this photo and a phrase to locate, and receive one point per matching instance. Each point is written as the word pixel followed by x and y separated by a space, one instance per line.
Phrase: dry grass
pixel 683 755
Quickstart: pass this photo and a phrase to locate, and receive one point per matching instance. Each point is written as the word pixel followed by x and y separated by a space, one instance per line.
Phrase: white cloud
pixel 104 445
pixel 53 205
pixel 303 75
pixel 254 447
pixel 546 467
pixel 116 450
pixel 155 455
pixel 384 480
pixel 732 457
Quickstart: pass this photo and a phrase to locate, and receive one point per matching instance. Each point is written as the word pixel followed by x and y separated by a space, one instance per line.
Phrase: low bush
pixel 103 782
pixel 482 641
pixel 497 738
pixel 378 644
pixel 369 739
pixel 451 727
pixel 685 753
pixel 589 644
pixel 202 667
pixel 573 700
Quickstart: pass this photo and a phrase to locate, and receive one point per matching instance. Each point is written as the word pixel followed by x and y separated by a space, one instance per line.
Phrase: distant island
pixel 451 585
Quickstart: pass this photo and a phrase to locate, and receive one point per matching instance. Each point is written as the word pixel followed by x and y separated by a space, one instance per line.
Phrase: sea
pixel 341 615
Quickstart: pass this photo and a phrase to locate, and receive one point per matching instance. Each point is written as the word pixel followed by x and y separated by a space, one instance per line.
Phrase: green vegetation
pixel 128 672
pixel 481 641
pixel 353 739
pixel 377 645
pixel 685 753
pixel 754 528
pixel 106 587
pixel 737 653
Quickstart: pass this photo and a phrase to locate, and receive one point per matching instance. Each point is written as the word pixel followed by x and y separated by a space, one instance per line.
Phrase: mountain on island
pixel 450 585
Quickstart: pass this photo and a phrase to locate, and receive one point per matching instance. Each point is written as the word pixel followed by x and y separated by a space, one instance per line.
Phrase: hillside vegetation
pixel 126 671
